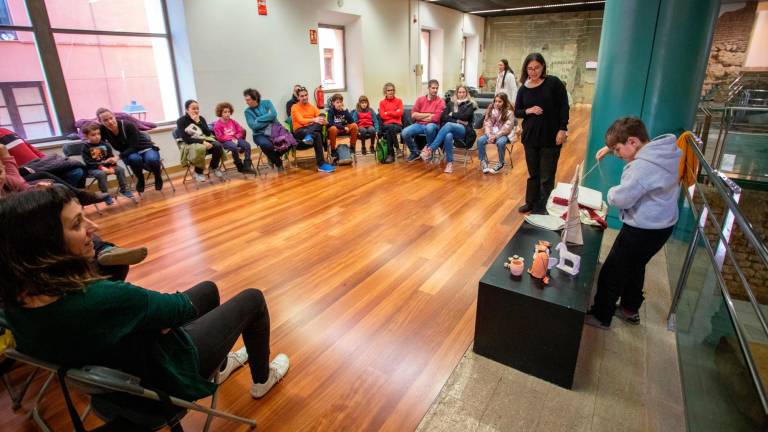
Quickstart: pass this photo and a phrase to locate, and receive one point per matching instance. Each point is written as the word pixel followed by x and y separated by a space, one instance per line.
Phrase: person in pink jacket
pixel 499 128
pixel 232 136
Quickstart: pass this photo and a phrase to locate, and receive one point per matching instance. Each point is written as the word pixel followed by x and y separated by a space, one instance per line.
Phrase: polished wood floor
pixel 370 275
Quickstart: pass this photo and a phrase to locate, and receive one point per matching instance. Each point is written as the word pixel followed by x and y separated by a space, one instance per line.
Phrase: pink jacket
pixel 503 126
pixel 434 106
pixel 228 130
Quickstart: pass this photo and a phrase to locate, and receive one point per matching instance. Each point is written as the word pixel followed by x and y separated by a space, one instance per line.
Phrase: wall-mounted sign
pixel 262 7
pixel 313 36
pixel 591 65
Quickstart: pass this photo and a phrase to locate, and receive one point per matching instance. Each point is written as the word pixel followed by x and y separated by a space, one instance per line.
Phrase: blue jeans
pixel 501 146
pixel 242 145
pixel 75 177
pixel 445 137
pixel 101 178
pixel 429 129
pixel 149 160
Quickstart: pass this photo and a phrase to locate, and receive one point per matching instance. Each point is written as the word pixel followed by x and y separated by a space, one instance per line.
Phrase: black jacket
pixel 127 140
pixel 466 114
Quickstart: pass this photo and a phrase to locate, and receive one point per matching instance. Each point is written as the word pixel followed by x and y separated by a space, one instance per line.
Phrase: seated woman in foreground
pixel 61 311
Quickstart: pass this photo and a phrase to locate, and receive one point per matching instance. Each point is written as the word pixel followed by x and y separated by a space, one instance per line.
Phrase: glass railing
pixel 741 150
pixel 719 268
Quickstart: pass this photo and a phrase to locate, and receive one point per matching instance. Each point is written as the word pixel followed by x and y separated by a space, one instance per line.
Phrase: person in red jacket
pixel 391 113
pixel 33 162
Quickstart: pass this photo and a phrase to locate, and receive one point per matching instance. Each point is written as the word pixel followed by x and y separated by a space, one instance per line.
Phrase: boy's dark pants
pixel 623 272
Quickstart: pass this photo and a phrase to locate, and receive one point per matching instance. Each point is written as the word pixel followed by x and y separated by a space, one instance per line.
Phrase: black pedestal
pixel 529 326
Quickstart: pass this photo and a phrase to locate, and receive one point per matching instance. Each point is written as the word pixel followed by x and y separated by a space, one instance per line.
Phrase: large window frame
pixel 323 57
pixel 44 34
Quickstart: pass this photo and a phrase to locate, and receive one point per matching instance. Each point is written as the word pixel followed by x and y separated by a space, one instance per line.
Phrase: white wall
pixel 473 27
pixel 757 54
pixel 445 43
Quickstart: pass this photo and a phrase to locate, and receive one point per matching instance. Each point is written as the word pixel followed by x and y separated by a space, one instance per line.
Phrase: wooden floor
pixel 370 275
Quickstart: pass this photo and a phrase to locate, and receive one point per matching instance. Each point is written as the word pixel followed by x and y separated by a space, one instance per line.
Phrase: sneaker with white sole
pixel 484 167
pixel 200 178
pixel 627 315
pixel 448 168
pixel 235 360
pixel 497 169
pixel 277 370
pixel 219 173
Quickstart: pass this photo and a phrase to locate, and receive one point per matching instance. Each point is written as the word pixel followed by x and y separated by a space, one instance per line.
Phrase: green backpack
pixel 381 150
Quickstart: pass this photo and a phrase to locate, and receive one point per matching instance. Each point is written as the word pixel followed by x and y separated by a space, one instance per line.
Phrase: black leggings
pixel 391 131
pixel 542 169
pixel 218 326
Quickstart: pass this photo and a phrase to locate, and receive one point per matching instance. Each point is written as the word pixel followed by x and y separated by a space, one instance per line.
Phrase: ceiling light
pixel 582 3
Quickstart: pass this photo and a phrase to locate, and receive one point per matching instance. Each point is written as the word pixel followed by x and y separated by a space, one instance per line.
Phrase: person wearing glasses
pixel 542 103
pixel 308 128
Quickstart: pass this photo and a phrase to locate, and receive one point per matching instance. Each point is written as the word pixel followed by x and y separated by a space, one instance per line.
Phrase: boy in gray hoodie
pixel 647 201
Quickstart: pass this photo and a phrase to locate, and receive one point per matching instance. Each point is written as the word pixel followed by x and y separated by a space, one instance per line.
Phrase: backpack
pixel 344 155
pixel 382 150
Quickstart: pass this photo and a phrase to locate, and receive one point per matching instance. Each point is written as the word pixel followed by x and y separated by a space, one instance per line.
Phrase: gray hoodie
pixel 649 189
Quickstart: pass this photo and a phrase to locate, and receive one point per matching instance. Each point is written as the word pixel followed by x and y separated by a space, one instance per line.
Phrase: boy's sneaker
pixel 121 256
pixel 235 360
pixel 277 370
pixel 412 157
pixel 219 173
pixel 484 167
pixel 627 315
pixel 326 168
pixel 109 200
pixel 497 169
pixel 126 193
pixel 200 178
pixel 308 139
pixel 592 320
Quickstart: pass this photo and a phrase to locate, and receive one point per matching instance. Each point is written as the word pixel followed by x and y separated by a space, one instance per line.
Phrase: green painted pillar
pixel 651 64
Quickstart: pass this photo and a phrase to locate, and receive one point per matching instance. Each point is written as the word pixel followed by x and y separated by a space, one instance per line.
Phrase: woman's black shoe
pixel 525 208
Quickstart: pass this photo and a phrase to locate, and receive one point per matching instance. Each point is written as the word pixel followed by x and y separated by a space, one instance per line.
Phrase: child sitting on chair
pixel 367 122
pixel 340 122
pixel 647 202
pixel 100 160
pixel 232 137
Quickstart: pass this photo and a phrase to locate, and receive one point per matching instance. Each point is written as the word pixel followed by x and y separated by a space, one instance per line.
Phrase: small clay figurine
pixel 540 264
pixel 515 265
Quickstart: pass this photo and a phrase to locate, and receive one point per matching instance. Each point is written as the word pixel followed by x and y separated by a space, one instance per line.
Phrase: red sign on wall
pixel 262 7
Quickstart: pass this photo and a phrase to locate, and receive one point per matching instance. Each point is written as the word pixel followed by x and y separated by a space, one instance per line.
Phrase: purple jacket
pixel 282 140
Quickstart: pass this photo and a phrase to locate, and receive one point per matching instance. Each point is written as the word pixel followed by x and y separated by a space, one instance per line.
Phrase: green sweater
pixel 116 324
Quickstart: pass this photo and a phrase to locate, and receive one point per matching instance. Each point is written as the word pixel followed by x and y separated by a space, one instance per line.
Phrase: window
pixel 425 55
pixel 111 53
pixel 330 40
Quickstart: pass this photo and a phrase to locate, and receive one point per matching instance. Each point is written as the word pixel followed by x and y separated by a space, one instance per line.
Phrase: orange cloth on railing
pixel 689 165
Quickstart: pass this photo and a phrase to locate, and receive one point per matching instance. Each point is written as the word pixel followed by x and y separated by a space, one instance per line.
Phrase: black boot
pixel 248 167
pixel 239 165
pixel 140 183
pixel 158 182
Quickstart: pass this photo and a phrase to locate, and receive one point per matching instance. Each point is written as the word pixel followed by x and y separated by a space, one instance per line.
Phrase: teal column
pixel 651 64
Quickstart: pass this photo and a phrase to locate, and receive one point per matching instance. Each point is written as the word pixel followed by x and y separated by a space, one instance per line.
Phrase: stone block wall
pixel 753 205
pixel 729 48
pixel 566 40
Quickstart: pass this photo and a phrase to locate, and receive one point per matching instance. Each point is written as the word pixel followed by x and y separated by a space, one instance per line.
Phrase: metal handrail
pixel 746 227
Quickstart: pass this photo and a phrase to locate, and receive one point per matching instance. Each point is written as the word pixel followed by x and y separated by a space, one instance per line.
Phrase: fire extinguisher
pixel 481 81
pixel 319 97
pixel 262 5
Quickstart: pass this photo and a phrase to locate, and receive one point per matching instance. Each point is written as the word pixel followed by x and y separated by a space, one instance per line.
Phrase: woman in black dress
pixel 542 103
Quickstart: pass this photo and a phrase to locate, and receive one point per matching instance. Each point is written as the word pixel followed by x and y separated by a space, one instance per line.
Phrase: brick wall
pixel 566 40
pixel 729 47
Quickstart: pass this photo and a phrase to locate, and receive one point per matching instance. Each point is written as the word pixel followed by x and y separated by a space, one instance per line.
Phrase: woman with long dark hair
pixel 506 81
pixel 60 310
pixel 542 103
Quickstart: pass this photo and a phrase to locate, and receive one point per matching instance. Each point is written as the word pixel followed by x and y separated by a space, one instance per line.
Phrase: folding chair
pixel 176 134
pixel 121 401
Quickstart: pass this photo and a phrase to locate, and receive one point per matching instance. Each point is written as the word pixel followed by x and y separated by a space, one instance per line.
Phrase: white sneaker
pixel 277 369
pixel 484 167
pixel 235 360
pixel 219 173
pixel 497 169
pixel 199 178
